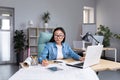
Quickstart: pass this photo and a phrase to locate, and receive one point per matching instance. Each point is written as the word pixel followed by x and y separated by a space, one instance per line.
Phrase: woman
pixel 57 48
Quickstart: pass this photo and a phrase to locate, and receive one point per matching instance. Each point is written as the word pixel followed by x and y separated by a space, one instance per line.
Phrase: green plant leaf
pixel 46 17
pixel 19 40
pixel 106 32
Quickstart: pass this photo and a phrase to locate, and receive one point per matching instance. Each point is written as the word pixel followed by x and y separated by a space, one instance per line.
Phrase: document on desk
pixel 42 73
pixel 58 66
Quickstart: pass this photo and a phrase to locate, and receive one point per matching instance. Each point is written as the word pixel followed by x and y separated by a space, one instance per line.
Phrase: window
pixel 6 34
pixel 88 15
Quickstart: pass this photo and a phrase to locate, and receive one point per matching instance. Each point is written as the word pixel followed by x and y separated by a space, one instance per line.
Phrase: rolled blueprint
pixel 28 62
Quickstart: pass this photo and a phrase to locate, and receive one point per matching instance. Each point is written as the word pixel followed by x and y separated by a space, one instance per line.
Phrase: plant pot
pixel 19 57
pixel 45 25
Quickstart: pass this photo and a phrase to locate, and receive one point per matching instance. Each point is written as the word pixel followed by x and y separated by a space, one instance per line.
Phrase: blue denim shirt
pixel 50 52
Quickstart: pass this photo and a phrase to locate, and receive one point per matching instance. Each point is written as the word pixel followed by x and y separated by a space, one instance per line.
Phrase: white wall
pixel 64 13
pixel 108 13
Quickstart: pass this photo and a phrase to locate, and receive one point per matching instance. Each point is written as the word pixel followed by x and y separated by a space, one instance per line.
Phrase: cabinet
pixel 33 35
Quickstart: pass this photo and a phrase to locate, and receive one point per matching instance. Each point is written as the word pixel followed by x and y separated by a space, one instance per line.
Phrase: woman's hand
pixel 82 59
pixel 45 63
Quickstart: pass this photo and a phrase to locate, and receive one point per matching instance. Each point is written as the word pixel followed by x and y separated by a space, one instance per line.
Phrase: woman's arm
pixel 75 55
pixel 43 54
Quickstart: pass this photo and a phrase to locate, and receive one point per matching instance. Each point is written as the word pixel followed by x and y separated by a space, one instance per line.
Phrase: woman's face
pixel 58 36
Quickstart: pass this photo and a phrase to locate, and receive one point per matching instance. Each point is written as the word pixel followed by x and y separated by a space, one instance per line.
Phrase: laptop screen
pixel 93 54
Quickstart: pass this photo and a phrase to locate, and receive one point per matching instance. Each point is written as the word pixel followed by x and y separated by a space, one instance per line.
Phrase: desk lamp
pixel 85 37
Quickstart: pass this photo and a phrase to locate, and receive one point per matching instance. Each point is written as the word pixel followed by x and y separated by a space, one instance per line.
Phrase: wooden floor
pixel 6 71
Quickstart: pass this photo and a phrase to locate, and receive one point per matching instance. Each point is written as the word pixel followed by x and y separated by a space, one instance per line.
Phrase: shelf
pixel 34 54
pixel 33 46
pixel 33 35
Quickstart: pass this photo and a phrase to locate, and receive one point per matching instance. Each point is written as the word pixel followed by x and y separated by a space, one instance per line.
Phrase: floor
pixel 6 71
pixel 109 75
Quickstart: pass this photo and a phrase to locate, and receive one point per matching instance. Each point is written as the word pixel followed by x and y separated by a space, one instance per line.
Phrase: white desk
pixel 42 73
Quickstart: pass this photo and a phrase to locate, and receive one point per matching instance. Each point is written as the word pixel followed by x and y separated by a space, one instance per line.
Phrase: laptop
pixel 93 54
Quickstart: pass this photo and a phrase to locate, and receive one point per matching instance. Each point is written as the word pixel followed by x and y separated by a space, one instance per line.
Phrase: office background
pixel 67 14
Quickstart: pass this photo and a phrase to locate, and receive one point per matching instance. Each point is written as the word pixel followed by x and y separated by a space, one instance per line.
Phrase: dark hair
pixel 58 28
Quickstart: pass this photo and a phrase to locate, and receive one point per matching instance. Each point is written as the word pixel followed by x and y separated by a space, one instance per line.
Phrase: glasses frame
pixel 60 36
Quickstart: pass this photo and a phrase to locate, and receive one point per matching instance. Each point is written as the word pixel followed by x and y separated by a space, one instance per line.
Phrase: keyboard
pixel 78 65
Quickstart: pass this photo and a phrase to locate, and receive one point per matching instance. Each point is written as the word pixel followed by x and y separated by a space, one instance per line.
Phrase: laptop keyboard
pixel 79 64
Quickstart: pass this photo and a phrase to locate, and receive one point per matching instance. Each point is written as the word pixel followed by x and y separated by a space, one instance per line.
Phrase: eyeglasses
pixel 60 36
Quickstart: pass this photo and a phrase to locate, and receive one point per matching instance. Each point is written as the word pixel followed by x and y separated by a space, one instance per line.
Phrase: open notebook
pixel 93 54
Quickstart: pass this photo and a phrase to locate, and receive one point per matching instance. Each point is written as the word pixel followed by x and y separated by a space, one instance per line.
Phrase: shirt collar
pixel 63 45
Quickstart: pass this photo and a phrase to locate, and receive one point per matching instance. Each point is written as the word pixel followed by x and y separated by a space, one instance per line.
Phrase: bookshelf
pixel 33 35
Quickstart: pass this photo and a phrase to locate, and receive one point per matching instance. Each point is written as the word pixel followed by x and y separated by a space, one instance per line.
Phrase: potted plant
pixel 105 31
pixel 46 18
pixel 117 36
pixel 20 41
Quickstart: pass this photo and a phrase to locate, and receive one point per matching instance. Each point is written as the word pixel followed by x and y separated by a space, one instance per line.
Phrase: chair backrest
pixel 42 40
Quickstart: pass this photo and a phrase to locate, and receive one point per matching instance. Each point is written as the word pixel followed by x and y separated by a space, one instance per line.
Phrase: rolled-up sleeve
pixel 43 54
pixel 71 53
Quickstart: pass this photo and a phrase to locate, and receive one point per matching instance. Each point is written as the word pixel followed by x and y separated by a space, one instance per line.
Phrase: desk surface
pixel 103 65
pixel 105 48
pixel 106 65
